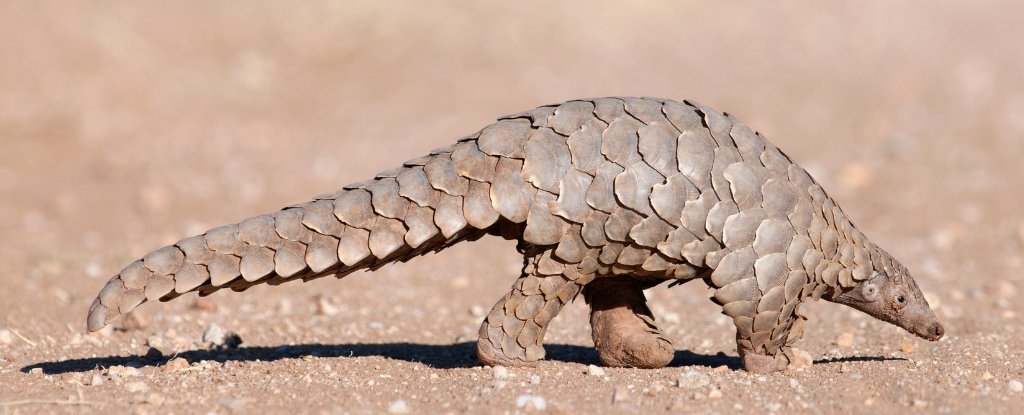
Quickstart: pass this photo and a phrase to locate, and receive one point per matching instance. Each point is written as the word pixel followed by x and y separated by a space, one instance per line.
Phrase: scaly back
pixel 618 185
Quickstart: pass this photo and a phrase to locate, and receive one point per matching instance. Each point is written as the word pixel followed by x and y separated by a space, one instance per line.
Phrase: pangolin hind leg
pixel 623 327
pixel 512 334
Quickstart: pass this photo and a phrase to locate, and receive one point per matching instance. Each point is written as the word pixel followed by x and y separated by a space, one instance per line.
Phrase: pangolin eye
pixel 900 299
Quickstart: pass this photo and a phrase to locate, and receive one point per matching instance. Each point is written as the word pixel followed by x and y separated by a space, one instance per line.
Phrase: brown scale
pixel 605 196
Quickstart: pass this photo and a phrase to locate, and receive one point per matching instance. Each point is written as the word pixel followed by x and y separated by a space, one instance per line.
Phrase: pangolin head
pixel 891 295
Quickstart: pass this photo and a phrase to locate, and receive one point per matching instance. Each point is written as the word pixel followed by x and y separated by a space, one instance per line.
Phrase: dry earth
pixel 127 125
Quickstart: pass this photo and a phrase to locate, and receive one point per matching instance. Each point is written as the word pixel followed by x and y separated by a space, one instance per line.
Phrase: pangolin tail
pixel 421 207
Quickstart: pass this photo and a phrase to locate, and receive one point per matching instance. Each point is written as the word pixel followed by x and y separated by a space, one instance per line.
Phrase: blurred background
pixel 127 125
pixel 118 117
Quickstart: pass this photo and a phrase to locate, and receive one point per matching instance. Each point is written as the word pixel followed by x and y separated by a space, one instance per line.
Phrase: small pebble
pixel 856 176
pixel 535 379
pixel 907 345
pixel 653 389
pixel 5 337
pixel 219 338
pixel 477 311
pixel 156 342
pixel 801 358
pixel 96 380
pixel 692 380
pixel 1016 386
pixel 124 371
pixel 176 364
pixel 715 393
pixel 284 306
pixel 531 402
pixel 137 386
pixel 93 270
pixel 326 307
pixel 844 340
pixel 398 407
pixel 213 335
pixel 987 375
pixel 593 370
pixel 500 372
pixel 918 403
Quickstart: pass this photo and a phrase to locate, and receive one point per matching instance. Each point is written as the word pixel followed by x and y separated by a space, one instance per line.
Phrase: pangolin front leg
pixel 759 356
pixel 623 327
pixel 768 324
pixel 512 334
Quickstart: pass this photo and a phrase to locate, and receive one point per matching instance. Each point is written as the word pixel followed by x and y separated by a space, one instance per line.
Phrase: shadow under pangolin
pixel 446 356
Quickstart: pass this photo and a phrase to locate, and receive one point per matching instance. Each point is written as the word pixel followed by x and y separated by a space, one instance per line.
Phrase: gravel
pixel 219 338
pixel 124 371
pixel 500 372
pixel 844 340
pixel 398 407
pixel 213 334
pixel 692 379
pixel 531 402
pixel 137 386
pixel 800 359
pixel 170 119
pixel 176 364
pixel 95 380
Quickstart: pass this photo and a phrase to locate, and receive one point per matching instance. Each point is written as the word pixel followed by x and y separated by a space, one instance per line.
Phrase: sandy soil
pixel 125 126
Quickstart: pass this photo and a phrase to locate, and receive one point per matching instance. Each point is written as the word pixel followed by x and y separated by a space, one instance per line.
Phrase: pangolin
pixel 605 196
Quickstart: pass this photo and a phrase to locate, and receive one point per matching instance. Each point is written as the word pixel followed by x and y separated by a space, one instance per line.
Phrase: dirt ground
pixel 127 125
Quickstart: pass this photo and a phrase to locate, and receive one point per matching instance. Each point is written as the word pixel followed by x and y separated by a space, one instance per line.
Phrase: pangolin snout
pixel 933 332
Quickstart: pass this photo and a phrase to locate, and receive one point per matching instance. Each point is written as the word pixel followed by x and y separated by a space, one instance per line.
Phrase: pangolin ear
pixel 870 290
